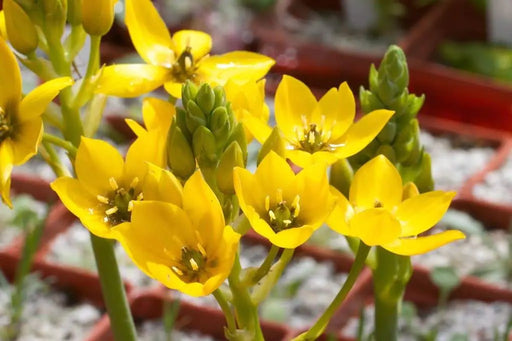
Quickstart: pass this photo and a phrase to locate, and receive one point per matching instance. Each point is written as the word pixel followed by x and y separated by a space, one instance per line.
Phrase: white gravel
pixel 497 185
pixel 454 159
pixel 153 330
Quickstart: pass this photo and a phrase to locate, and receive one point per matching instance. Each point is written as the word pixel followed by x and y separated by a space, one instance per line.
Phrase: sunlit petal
pixel 417 246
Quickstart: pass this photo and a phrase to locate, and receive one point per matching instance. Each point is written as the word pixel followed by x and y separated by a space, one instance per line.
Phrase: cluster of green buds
pixel 399 140
pixel 205 132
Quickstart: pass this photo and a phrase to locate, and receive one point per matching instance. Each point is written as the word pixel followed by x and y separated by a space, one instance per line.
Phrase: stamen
pixel 267 203
pixel 177 271
pixel 188 63
pixel 296 206
pixel 279 195
pixel 113 183
pixel 304 121
pixel 201 249
pixel 130 206
pixel 134 182
pixel 272 215
pixel 102 199
pixel 193 264
pixel 111 210
pixel 287 222
pixel 311 137
pixel 140 196
pixel 198 236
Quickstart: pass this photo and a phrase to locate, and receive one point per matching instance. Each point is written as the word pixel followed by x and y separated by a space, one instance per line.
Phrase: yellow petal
pixel 294 105
pixel 304 159
pixel 240 65
pixel 162 243
pixel 149 33
pixel 131 80
pixel 149 147
pixel 3 29
pixel 162 185
pixel 410 190
pixel 316 202
pixel 6 163
pixel 360 134
pixel 26 140
pixel 420 245
pixel 338 107
pixel 10 78
pixel 341 214
pixel 173 88
pixel 157 114
pixel 258 128
pixel 137 129
pixel 162 273
pixel 203 208
pixel 273 173
pixel 248 191
pixel 375 226
pixel 199 42
pixel 35 103
pixel 84 205
pixel 376 184
pixel 96 162
pixel 294 237
pixel 421 212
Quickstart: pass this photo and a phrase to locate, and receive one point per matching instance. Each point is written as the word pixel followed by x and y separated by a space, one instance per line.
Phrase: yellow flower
pixel 186 247
pixel 321 130
pixel 283 207
pixel 247 99
pixel 21 126
pixel 173 60
pixel 106 187
pixel 382 212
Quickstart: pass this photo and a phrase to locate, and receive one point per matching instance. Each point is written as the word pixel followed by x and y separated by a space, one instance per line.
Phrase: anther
pixel 134 182
pixel 130 206
pixel 177 271
pixel 267 203
pixel 287 222
pixel 111 210
pixel 140 196
pixel 102 199
pixel 272 215
pixel 279 195
pixel 296 206
pixel 193 264
pixel 201 249
pixel 113 183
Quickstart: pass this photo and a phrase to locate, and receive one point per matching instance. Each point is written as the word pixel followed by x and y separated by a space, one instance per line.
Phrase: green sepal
pixel 205 98
pixel 195 117
pixel 232 157
pixel 238 135
pixel 341 176
pixel 203 143
pixel 180 158
pixel 188 92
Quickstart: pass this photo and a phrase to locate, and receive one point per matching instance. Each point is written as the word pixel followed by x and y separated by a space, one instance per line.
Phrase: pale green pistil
pixel 184 68
pixel 283 215
pixel 120 202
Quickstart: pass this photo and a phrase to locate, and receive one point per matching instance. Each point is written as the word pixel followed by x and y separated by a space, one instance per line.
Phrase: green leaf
pixel 445 278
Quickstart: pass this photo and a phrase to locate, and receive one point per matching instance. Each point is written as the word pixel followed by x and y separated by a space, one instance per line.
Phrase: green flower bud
pixel 393 74
pixel 75 12
pixel 388 152
pixel 220 96
pixel 220 126
pixel 238 135
pixel 369 101
pixel 203 143
pixel 388 133
pixel 275 142
pixel 205 98
pixel 20 29
pixel 180 158
pixel 55 13
pixel 98 16
pixel 341 176
pixel 188 91
pixel 195 117
pixel 232 157
pixel 424 180
pixel 373 78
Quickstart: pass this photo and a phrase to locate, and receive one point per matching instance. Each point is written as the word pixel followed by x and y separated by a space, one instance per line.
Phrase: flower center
pixel 184 68
pixel 5 125
pixel 120 202
pixel 191 267
pixel 283 215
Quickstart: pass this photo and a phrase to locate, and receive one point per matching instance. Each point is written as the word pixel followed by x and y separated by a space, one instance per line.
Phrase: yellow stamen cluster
pixel 282 215
pixel 119 201
pixel 312 137
pixel 5 124
pixel 191 267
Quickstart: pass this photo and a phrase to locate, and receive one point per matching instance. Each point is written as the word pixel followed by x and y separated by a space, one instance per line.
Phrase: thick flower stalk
pixel 188 247
pixel 106 187
pixel 21 126
pixel 283 207
pixel 319 131
pixel 381 213
pixel 173 60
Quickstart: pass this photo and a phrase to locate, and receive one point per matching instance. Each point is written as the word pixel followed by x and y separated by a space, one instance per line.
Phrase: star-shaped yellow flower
pixel 21 126
pixel 106 186
pixel 283 207
pixel 186 246
pixel 173 60
pixel 321 130
pixel 382 212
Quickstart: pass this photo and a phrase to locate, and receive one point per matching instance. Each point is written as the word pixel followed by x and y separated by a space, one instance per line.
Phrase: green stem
pixel 323 321
pixel 92 67
pixel 386 320
pixel 224 305
pixel 246 310
pixel 118 310
pixel 265 266
pixel 52 159
pixel 61 143
pixel 269 281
